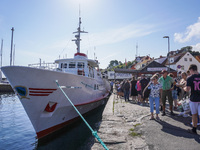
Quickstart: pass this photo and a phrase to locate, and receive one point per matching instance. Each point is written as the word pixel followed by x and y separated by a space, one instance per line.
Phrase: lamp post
pixel 168 51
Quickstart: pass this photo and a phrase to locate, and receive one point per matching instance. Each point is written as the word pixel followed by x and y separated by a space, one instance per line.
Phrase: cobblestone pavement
pixel 126 126
pixel 121 125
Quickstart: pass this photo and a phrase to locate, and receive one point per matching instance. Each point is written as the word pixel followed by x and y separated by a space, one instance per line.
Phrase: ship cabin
pixel 79 65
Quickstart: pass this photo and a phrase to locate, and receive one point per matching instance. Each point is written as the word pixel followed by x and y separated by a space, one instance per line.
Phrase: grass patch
pixel 113 106
pixel 133 133
pixel 131 129
pixel 138 124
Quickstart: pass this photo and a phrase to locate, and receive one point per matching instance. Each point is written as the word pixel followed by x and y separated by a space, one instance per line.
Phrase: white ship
pixel 46 106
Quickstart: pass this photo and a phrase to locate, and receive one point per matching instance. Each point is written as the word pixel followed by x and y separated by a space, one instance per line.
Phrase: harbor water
pixel 17 132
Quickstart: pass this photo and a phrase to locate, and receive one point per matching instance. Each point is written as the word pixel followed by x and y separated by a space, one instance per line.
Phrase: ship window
pixel 95 87
pixel 61 65
pixel 65 65
pixel 72 65
pixel 81 65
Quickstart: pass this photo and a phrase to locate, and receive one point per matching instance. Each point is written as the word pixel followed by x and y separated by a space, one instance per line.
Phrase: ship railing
pixel 47 66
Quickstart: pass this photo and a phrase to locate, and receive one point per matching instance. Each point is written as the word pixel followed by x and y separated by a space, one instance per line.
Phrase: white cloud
pixel 192 31
pixel 196 47
pixel 121 34
pixel 109 56
pixel 89 41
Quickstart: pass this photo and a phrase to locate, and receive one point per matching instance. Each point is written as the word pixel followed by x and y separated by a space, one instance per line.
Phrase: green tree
pixel 113 63
pixel 187 48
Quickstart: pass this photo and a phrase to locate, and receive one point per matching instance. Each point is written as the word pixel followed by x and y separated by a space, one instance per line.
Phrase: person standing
pixel 117 88
pixel 133 89
pixel 154 95
pixel 193 83
pixel 174 91
pixel 143 82
pixel 166 82
pixel 138 86
pixel 182 85
pixel 111 85
pixel 188 73
pixel 126 89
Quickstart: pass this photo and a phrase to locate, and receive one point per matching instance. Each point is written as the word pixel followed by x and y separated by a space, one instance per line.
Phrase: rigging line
pixel 66 45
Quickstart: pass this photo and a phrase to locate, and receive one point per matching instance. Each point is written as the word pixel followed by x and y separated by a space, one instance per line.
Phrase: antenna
pixel 78 36
pixel 79 10
pixel 136 50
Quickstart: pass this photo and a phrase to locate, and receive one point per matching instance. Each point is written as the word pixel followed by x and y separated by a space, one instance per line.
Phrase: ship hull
pixel 45 104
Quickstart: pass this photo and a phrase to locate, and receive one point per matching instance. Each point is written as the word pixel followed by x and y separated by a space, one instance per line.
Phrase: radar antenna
pixel 78 36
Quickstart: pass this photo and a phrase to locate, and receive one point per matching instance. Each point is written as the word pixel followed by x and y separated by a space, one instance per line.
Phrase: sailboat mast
pixel 11 46
pixel 1 50
pixel 14 56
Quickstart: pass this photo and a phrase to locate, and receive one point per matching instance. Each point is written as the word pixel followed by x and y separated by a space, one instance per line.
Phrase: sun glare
pixel 84 4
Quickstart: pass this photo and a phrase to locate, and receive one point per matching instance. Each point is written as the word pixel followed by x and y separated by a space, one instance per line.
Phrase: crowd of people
pixel 161 87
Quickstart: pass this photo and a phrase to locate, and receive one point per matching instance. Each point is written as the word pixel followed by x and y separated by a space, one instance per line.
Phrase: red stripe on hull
pixel 50 130
pixel 42 89
pixel 38 94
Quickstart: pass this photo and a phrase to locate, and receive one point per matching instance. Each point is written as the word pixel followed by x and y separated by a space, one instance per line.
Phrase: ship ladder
pixel 93 132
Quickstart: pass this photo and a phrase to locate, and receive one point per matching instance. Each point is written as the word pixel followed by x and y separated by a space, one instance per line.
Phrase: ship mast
pixel 78 36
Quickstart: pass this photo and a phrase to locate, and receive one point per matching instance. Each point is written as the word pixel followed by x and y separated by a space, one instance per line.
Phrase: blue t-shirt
pixel 194 83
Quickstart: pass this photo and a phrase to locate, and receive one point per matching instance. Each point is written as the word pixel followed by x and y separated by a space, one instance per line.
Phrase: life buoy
pixel 50 108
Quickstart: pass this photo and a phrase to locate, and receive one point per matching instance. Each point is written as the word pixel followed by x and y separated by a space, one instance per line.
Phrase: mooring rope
pixel 93 132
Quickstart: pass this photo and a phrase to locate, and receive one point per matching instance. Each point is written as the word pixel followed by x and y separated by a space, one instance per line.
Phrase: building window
pixel 80 65
pixel 182 67
pixel 171 60
pixel 190 59
pixel 65 65
pixel 72 65
pixel 185 59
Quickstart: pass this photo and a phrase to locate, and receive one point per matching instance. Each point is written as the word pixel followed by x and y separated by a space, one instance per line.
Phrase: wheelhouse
pixel 79 65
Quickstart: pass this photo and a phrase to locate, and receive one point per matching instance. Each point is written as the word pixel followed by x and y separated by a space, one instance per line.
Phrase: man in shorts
pixel 193 84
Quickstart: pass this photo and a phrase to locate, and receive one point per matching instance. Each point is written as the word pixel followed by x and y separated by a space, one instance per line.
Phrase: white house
pixel 182 61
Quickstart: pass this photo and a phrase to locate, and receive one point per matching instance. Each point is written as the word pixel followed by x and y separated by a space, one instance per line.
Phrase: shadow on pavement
pixel 177 131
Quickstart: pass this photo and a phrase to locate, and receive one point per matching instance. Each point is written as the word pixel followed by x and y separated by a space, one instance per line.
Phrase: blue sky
pixel 43 28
